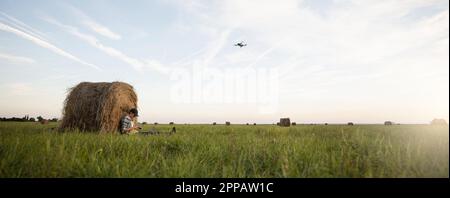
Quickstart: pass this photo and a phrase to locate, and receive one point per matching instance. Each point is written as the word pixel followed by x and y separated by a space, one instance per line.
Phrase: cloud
pixel 102 30
pixel 216 46
pixel 137 64
pixel 22 26
pixel 44 44
pixel 94 26
pixel 16 59
pixel 389 51
pixel 19 89
pixel 349 35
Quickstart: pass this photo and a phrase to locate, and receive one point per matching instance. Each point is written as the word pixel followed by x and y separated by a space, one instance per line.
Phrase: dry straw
pixel 285 122
pixel 97 106
pixel 438 122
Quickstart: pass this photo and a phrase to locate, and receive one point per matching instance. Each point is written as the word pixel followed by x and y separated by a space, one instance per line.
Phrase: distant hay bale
pixel 350 124
pixel 171 123
pixel 438 122
pixel 246 124
pixel 97 106
pixel 155 123
pixel 294 123
pixel 254 123
pixel 214 123
pixel 278 124
pixel 388 123
pixel 326 123
pixel 285 122
pixel 227 123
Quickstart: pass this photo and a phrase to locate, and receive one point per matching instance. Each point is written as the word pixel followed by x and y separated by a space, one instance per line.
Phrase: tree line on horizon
pixel 27 118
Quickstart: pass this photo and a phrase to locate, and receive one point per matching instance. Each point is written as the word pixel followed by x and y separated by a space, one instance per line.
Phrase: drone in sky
pixel 241 44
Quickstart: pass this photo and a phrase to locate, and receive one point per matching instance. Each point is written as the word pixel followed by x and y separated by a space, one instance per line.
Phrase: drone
pixel 241 44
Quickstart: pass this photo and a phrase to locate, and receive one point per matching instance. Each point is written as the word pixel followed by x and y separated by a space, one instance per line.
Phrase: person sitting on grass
pixel 127 123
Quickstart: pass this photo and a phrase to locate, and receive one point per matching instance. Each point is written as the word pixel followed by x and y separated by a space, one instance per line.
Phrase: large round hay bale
pixel 97 106
pixel 388 123
pixel 438 122
pixel 285 122
pixel 44 121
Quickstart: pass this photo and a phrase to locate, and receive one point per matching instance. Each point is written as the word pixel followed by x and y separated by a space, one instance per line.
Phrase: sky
pixel 314 61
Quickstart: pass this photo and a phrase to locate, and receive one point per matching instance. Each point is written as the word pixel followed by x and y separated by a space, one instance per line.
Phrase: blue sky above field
pixel 339 60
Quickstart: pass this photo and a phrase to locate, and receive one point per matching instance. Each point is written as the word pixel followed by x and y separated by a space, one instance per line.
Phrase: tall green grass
pixel 34 150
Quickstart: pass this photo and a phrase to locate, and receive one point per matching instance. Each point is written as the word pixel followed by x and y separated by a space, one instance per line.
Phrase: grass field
pixel 33 150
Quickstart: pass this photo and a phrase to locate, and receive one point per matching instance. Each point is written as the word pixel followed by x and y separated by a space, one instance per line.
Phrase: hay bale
pixel 350 124
pixel 438 122
pixel 246 124
pixel 294 123
pixel 388 123
pixel 214 123
pixel 285 122
pixel 227 123
pixel 278 123
pixel 97 106
pixel 254 123
pixel 171 123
